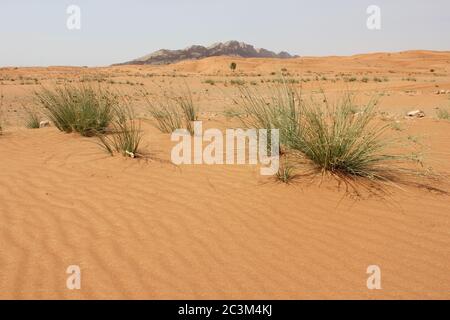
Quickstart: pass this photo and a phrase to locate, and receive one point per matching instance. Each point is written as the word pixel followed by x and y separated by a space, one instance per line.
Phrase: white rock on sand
pixel 416 114
pixel 44 124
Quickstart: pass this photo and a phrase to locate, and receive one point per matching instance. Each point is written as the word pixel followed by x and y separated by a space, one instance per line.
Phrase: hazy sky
pixel 34 32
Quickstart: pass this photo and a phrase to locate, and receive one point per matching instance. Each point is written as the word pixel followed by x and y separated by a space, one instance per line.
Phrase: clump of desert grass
pixel 85 109
pixel 331 136
pixel 443 114
pixel 230 113
pixel 32 118
pixel 124 134
pixel 173 111
pixel 286 172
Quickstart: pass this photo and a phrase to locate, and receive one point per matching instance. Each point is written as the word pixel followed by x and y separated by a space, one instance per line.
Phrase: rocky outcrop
pixel 230 48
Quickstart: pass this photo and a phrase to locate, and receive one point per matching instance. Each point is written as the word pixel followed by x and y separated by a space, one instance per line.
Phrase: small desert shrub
pixel 237 82
pixel 443 114
pixel 396 126
pixel 168 117
pixel 232 113
pixel 277 112
pixel 173 111
pixel 332 136
pixel 187 106
pixel 286 172
pixel 83 109
pixel 32 120
pixel 210 81
pixel 125 134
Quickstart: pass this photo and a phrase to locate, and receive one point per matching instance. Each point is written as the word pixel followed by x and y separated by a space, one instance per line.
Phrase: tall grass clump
pixel 331 136
pixel 280 110
pixel 173 111
pixel 84 109
pixel 124 134
pixel 32 120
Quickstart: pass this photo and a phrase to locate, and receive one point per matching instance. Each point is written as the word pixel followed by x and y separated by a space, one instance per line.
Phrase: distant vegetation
pixel 443 114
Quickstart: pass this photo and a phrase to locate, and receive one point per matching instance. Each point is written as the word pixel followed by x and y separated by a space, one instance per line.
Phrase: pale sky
pixel 34 33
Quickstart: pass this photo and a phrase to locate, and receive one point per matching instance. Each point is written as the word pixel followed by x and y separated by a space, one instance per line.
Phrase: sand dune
pixel 148 229
pixel 143 229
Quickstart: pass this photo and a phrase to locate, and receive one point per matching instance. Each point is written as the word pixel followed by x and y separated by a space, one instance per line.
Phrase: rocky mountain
pixel 230 48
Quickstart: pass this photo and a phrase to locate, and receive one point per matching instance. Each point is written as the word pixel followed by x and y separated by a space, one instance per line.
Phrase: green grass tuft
pixel 332 136
pixel 125 134
pixel 173 111
pixel 443 114
pixel 84 109
pixel 33 119
pixel 286 172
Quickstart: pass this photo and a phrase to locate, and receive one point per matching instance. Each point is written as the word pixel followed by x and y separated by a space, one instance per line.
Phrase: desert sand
pixel 146 228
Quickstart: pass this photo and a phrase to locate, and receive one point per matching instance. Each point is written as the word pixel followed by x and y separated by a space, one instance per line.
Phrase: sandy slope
pixel 148 229
pixel 145 229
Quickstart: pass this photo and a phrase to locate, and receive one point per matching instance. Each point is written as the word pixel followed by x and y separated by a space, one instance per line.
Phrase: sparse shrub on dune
pixel 332 137
pixel 286 172
pixel 84 109
pixel 32 120
pixel 232 113
pixel 443 114
pixel 124 134
pixel 173 111
pixel 168 118
pixel 210 81
pixel 237 82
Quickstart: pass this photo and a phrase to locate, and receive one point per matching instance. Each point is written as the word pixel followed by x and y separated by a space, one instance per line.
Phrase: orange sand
pixel 147 229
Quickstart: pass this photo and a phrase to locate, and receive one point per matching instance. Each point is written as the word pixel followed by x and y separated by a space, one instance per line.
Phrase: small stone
pixel 416 114
pixel 130 154
pixel 44 124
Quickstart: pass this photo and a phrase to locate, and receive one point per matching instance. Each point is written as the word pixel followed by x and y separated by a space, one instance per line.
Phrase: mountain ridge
pixel 197 52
